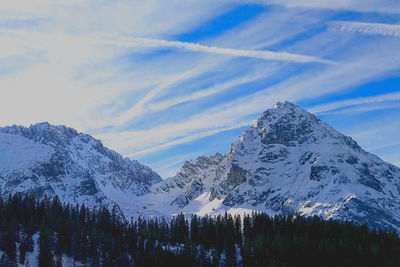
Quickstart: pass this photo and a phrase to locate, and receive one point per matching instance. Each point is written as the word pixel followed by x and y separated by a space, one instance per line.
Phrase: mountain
pixel 57 160
pixel 289 162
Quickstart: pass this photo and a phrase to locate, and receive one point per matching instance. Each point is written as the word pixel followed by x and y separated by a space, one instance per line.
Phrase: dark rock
pixel 352 160
pixel 305 157
pixel 273 156
pixel 236 176
pixel 88 186
pixel 368 179
pixel 316 172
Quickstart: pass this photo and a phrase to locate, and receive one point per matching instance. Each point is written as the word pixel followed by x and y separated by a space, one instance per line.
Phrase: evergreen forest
pixel 101 237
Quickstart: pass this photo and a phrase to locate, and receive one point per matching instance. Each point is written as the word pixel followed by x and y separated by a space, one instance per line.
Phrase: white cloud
pixel 61 72
pixel 358 68
pixel 356 101
pixel 362 109
pixel 268 55
pixel 142 18
pixel 170 134
pixel 367 28
pixel 79 63
pixel 189 138
pixel 384 145
pixel 384 6
pixel 215 89
pixel 139 108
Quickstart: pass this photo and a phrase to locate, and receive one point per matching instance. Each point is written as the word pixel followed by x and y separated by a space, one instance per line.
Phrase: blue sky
pixel 167 81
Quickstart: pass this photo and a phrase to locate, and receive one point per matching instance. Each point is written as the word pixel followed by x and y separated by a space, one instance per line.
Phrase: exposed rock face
pixel 56 160
pixel 290 162
pixel 192 179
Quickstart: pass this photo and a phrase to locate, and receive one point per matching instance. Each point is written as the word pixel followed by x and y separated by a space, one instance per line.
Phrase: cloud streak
pixel 260 54
pixel 298 87
pixel 157 106
pixel 190 138
pixel 77 63
pixel 384 6
pixel 355 101
pixel 140 107
pixel 367 28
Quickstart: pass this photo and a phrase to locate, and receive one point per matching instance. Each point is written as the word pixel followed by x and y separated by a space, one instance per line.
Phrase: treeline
pixel 98 237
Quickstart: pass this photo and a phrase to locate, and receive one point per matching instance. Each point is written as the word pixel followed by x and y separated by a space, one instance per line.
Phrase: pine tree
pixel 45 254
pixel 194 230
pixel 25 246
pixel 238 230
pixel 9 240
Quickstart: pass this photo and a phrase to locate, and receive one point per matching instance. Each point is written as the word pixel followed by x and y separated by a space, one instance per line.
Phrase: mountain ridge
pixel 57 160
pixel 288 162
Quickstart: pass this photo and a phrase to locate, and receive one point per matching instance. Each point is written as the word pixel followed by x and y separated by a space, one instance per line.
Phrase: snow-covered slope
pixel 288 162
pixel 56 160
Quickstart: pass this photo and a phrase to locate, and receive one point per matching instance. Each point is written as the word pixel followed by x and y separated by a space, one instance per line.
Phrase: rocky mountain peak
pixel 284 104
pixel 288 124
pixel 44 133
pixel 290 162
pixel 57 160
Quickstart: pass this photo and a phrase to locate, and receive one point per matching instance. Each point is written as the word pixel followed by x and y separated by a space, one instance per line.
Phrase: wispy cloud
pixel 169 166
pixel 156 106
pixel 379 136
pixel 384 6
pixel 362 109
pixel 303 85
pixel 80 63
pixel 383 146
pixel 139 108
pixel 172 133
pixel 356 101
pixel 190 138
pixel 267 55
pixel 45 42
pixel 367 28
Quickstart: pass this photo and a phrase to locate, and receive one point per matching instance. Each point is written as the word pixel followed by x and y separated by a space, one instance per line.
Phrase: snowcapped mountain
pixel 56 160
pixel 288 162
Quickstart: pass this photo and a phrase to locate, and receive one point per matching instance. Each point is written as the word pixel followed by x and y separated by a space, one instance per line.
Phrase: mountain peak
pixel 284 104
pixel 57 160
pixel 292 162
pixel 288 111
pixel 43 132
pixel 287 123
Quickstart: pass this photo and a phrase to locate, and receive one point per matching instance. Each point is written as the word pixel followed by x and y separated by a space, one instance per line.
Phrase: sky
pixel 167 81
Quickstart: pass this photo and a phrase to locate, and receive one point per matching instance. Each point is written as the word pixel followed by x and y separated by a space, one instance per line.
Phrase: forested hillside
pixel 100 238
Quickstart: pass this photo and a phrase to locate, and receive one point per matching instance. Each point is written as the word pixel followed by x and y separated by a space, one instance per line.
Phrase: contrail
pixel 269 55
pixel 148 42
pixel 367 28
